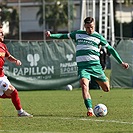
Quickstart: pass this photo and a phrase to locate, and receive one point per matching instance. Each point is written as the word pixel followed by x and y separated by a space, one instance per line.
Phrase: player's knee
pixel 14 93
pixel 9 91
pixel 106 89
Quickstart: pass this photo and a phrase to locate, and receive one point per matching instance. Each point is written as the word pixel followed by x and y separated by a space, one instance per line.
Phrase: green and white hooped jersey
pixel 87 47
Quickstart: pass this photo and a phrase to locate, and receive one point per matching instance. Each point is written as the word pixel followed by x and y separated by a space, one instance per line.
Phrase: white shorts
pixel 4 84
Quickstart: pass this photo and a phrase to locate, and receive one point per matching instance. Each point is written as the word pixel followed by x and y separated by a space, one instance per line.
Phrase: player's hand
pixel 18 62
pixel 47 34
pixel 125 65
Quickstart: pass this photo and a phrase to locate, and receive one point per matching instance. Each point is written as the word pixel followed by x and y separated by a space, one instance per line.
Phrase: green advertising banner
pixel 120 77
pixel 45 64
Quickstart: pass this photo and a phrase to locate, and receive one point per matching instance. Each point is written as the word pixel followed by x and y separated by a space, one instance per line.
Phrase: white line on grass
pixel 81 119
pixel 87 119
pixel 67 118
pixel 109 121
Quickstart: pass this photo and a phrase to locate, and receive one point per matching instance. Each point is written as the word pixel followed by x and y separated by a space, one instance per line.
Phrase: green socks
pixel 88 103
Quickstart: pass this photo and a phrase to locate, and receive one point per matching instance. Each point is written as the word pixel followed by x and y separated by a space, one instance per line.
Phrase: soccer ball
pixel 69 87
pixel 100 110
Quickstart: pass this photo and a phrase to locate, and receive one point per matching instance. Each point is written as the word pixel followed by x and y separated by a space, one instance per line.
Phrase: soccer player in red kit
pixel 6 89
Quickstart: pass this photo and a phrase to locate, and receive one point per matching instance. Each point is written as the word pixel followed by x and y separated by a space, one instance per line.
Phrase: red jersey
pixel 3 53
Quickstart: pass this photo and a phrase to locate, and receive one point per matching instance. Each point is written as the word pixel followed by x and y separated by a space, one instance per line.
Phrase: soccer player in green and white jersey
pixel 87 58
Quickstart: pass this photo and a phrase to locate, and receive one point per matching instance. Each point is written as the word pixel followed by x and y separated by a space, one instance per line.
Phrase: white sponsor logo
pixel 69 67
pixel 34 69
pixel 33 59
pixel 69 57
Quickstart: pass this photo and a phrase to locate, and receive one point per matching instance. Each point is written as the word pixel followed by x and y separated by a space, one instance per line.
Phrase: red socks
pixel 16 100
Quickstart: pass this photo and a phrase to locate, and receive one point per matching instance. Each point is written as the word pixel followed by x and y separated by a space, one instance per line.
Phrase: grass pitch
pixel 61 111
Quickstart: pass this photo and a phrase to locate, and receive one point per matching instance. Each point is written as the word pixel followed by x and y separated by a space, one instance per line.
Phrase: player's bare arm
pixel 14 60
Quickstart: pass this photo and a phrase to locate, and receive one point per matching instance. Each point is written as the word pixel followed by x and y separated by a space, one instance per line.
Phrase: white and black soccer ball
pixel 100 110
pixel 69 87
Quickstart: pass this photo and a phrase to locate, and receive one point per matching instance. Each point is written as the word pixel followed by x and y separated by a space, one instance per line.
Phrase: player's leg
pixel 101 79
pixel 85 88
pixel 104 85
pixel 84 82
pixel 13 93
pixel 8 91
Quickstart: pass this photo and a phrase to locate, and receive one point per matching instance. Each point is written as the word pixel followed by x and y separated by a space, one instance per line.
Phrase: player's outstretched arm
pixel 117 57
pixel 14 60
pixel 56 36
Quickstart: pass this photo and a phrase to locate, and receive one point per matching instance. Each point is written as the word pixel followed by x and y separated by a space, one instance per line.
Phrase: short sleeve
pixel 7 54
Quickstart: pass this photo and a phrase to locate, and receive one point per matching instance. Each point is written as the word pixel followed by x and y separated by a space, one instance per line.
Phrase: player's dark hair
pixel 88 20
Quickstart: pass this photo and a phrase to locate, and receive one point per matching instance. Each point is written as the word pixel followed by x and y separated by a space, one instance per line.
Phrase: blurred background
pixel 51 64
pixel 29 19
